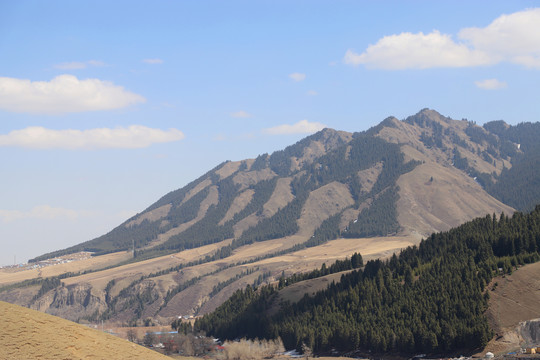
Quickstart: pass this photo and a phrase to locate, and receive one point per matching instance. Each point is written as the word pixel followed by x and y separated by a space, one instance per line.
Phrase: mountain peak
pixel 430 115
pixel 331 138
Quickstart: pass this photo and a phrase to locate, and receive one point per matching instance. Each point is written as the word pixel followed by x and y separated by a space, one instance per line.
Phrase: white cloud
pixel 153 61
pixel 42 212
pixel 312 93
pixel 132 137
pixel 241 114
pixel 490 84
pixel 297 76
pixel 76 65
pixel 63 94
pixel 301 127
pixel 417 51
pixel 512 38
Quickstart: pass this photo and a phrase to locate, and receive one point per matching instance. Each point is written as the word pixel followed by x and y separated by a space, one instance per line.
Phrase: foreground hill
pixel 30 334
pixel 248 222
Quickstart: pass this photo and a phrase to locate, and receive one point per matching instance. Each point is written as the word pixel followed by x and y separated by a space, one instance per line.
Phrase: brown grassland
pixel 8 276
pixel 30 334
pixel 513 299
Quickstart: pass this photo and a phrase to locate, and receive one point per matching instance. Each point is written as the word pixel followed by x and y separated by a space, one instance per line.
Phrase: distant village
pixel 83 255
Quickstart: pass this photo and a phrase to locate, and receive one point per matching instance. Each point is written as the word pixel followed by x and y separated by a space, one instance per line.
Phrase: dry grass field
pixel 211 274
pixel 301 261
pixel 101 278
pixel 369 248
pixel 8 276
pixel 29 334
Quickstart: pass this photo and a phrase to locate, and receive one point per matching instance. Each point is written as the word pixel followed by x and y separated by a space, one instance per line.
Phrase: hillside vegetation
pixel 430 298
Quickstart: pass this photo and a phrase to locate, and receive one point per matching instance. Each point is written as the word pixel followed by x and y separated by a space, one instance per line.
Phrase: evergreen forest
pixel 430 298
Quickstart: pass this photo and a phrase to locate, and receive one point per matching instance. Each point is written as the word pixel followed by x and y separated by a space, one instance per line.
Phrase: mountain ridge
pixel 246 222
pixel 427 131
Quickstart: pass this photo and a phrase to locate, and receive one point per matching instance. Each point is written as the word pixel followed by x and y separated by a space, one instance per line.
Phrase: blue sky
pixel 105 106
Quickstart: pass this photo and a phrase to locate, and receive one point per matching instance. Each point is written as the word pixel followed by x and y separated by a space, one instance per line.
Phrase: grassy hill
pixel 30 334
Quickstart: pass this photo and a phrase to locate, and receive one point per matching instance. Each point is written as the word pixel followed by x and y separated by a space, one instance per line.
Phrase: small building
pixel 530 351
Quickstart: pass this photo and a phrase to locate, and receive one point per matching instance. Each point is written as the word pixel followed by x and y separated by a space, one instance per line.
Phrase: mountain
pixel 250 222
pixel 382 173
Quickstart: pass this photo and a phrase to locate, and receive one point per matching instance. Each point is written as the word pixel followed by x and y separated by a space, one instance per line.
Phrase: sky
pixel 105 106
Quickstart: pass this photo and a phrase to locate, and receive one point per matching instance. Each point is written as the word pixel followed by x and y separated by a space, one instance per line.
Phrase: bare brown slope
pixel 514 300
pixel 211 199
pixel 295 292
pixel 322 203
pixel 239 203
pixel 437 196
pixel 29 334
pixel 281 196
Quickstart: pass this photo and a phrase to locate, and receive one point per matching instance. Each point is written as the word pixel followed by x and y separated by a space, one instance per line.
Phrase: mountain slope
pixel 247 222
pixel 235 199
pixel 430 299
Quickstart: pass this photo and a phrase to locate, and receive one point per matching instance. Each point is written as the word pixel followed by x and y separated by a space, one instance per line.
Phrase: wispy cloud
pixel 297 76
pixel 241 114
pixel 301 127
pixel 63 94
pixel 154 61
pixel 132 137
pixel 42 212
pixel 75 65
pixel 490 84
pixel 511 38
pixel 312 93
